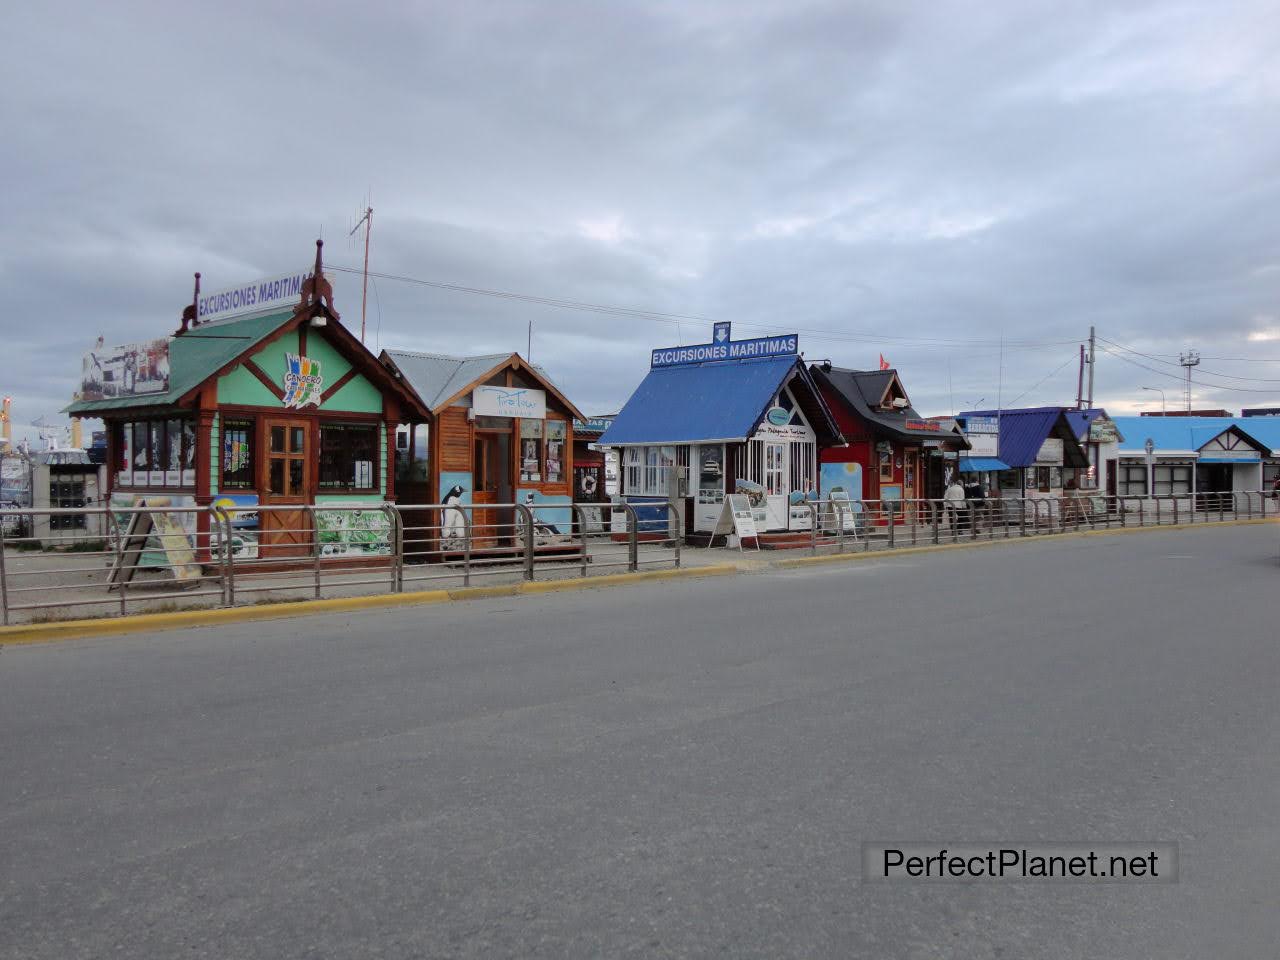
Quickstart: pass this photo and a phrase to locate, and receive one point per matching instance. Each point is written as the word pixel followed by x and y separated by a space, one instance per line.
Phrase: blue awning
pixel 700 402
pixel 1243 460
pixel 982 464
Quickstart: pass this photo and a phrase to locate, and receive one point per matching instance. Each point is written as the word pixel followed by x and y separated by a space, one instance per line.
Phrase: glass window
pixel 141 449
pixel 531 451
pixel 1171 480
pixel 237 455
pixel 631 470
pixel 348 454
pixel 277 439
pixel 886 466
pixel 1131 480
pixel 156 453
pixel 556 432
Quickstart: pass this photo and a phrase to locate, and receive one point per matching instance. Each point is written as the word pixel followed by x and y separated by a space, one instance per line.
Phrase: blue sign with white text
pixel 780 346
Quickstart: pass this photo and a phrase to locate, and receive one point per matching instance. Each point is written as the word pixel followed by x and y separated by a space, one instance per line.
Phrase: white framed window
pixel 1171 480
pixel 647 471
pixel 1131 480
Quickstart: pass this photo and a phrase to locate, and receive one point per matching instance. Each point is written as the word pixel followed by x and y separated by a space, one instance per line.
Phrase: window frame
pixel 157 435
pixel 343 458
pixel 250 430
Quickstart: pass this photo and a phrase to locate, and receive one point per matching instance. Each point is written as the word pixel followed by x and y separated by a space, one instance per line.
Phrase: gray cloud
pixel 894 175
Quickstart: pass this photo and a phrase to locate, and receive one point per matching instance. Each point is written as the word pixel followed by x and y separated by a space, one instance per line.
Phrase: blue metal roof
pixel 1266 430
pixel 1024 431
pixel 709 401
pixel 1189 434
pixel 981 464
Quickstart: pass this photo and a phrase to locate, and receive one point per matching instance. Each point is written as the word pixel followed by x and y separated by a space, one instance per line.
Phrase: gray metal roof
pixel 437 377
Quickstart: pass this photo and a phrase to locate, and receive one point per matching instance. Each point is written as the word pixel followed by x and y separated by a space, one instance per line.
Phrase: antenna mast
pixel 365 221
pixel 1189 360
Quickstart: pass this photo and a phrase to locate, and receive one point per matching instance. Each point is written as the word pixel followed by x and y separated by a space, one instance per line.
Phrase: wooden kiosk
pixel 497 431
pixel 262 398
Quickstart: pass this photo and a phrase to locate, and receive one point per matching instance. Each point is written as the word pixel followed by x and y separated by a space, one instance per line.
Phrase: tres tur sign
pixel 523 402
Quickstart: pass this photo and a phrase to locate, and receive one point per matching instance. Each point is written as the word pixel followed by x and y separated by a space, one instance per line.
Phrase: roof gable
pixel 717 401
pixel 1024 431
pixel 440 380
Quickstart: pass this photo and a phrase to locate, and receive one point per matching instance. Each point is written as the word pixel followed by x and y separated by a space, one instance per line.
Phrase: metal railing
pixel 842 526
pixel 158 558
pixel 161 557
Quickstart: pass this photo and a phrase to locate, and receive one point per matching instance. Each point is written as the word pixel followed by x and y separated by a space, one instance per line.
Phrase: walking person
pixel 953 500
pixel 974 501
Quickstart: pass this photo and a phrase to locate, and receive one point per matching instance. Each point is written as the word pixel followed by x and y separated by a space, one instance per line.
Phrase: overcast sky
pixel 921 180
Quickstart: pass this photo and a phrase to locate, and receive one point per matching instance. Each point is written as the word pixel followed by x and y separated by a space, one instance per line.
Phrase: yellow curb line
pixel 32 633
pixel 1039 537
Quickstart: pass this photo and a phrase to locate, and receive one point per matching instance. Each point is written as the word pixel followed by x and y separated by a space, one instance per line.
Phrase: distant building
pixel 1187 413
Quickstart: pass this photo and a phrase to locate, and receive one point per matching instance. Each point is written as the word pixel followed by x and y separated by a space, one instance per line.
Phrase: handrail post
pixel 315 546
pixel 4 582
pixel 581 519
pixel 527 513
pixel 893 540
pixel 220 556
pixel 839 510
pixel 934 511
pixel 675 516
pixel 913 509
pixel 633 538
pixel 813 528
pixel 1175 511
pixel 395 540
pixel 468 525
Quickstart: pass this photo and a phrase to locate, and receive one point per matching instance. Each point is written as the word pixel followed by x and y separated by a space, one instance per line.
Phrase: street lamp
pixel 1164 410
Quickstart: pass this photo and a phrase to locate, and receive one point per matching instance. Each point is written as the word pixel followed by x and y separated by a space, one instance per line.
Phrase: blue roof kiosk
pixel 730 416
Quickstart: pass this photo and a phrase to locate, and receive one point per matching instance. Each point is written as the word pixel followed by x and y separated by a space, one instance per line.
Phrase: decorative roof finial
pixel 191 312
pixel 317 288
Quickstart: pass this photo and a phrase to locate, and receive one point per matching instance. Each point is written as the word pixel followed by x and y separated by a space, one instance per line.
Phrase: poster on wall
pixel 754 492
pixel 455 490
pixel 128 370
pixel 242 519
pixel 552 518
pixel 353 533
pixel 710 488
pixel 799 511
pixel 303 381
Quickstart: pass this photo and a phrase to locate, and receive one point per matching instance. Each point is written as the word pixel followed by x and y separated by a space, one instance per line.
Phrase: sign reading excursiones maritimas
pixel 256 296
pixel 780 346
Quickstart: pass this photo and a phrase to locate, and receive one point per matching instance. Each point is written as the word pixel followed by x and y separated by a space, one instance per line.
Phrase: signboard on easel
pixel 148 531
pixel 738 518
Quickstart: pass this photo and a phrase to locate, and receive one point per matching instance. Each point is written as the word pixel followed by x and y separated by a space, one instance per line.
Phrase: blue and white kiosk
pixel 729 416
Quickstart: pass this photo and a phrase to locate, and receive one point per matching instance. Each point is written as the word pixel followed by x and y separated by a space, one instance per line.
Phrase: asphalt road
pixel 684 768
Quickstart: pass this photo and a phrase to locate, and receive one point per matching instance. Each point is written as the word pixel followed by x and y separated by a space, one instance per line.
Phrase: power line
pixel 1223 376
pixel 677 318
pixel 1182 379
pixel 1056 370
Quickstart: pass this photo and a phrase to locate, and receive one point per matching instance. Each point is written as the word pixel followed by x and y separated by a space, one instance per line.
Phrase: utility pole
pixel 367 222
pixel 1189 359
pixel 1080 381
pixel 1093 343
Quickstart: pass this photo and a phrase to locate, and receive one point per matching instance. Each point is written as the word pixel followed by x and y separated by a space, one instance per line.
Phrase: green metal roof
pixel 193 358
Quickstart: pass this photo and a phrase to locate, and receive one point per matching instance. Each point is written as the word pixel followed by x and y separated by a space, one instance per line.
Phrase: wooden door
pixel 492 466
pixel 286 482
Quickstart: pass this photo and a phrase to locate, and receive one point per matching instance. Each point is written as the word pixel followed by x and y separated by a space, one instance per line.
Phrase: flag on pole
pixel 884 364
